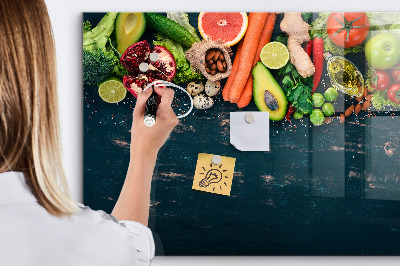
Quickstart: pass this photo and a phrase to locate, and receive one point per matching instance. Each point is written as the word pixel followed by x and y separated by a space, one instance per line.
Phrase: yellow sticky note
pixel 214 178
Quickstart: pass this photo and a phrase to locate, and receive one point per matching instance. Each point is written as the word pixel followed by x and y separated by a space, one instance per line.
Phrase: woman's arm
pixel 134 201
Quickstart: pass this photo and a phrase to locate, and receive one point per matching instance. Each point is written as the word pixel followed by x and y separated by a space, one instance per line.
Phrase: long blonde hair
pixel 29 122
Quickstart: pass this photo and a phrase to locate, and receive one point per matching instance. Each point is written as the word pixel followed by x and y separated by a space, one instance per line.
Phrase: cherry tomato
pixel 395 73
pixel 380 81
pixel 394 93
pixel 347 29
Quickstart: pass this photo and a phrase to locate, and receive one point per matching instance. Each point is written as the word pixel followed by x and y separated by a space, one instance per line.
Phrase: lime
pixel 274 55
pixel 112 90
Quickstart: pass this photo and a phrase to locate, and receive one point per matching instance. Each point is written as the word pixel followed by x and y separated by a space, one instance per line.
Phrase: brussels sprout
pixel 297 115
pixel 328 109
pixel 330 94
pixel 318 99
pixel 317 117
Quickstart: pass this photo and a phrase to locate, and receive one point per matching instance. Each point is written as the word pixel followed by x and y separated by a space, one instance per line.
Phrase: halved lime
pixel 112 90
pixel 274 55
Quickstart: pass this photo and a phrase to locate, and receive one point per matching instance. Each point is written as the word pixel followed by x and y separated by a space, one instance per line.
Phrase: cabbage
pixel 184 72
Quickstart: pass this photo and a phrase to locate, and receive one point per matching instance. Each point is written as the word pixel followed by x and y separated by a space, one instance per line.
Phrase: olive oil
pixel 344 75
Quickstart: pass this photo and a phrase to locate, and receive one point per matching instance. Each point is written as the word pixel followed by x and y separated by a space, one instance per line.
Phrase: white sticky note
pixel 246 136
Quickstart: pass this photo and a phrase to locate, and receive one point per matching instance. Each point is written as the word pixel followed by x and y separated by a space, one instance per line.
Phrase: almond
pixel 224 64
pixel 349 110
pixel 220 66
pixel 213 72
pixel 365 93
pixel 213 66
pixel 366 105
pixel 221 57
pixel 216 55
pixel 359 99
pixel 208 70
pixel 342 118
pixel 328 120
pixel 210 54
pixel 358 108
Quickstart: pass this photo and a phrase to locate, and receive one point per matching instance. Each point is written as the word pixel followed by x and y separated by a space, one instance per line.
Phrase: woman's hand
pixel 148 140
pixel 134 200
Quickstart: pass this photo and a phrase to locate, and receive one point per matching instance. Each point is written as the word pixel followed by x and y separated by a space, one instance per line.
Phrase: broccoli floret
pixel 97 37
pixel 98 61
pixel 87 26
pixel 97 66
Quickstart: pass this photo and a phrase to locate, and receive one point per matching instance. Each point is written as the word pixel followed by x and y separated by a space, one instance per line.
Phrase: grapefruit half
pixel 228 27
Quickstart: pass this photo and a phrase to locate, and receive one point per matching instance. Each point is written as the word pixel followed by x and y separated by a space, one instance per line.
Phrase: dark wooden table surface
pixel 328 190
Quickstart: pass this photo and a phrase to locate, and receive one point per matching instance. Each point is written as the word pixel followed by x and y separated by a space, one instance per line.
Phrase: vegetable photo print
pixel 330 184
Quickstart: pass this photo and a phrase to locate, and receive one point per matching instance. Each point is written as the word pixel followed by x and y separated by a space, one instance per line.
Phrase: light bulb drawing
pixel 213 175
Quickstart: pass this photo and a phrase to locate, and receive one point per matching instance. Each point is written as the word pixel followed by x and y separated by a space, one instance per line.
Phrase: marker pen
pixel 151 109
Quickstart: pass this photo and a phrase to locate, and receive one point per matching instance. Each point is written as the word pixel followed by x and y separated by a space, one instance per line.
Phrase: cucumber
pixel 169 28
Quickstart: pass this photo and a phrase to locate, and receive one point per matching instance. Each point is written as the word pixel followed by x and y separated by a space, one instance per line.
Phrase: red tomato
pixel 394 93
pixel 381 81
pixel 347 29
pixel 395 73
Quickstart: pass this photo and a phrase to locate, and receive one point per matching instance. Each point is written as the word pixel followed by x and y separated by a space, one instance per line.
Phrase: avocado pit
pixel 271 101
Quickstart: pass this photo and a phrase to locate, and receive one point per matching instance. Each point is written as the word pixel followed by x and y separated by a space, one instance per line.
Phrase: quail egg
pixel 195 87
pixel 212 87
pixel 202 102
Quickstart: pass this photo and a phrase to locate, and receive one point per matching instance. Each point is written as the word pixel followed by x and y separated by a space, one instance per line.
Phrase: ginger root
pixel 297 30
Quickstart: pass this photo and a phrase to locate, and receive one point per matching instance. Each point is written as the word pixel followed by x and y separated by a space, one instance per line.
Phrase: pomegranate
pixel 160 66
pixel 135 84
pixel 136 54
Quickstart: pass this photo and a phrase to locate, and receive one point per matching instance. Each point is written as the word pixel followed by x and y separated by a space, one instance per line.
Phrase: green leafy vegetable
pixel 306 15
pixel 184 73
pixel 119 70
pixel 298 89
pixel 380 100
pixel 182 19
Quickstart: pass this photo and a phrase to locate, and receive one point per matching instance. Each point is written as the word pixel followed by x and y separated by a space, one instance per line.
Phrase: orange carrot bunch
pixel 239 86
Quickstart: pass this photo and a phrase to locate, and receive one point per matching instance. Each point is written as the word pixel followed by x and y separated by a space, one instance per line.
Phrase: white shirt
pixel 29 235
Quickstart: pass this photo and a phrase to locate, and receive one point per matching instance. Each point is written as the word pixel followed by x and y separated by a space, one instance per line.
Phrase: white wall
pixel 66 17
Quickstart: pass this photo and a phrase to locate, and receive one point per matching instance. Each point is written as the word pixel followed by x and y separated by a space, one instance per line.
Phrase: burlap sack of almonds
pixel 197 58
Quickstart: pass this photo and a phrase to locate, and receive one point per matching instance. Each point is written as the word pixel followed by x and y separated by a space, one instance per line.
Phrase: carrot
pixel 231 78
pixel 266 35
pixel 248 53
pixel 247 93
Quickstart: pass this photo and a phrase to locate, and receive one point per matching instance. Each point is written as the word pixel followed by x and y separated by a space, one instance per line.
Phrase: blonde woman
pixel 39 223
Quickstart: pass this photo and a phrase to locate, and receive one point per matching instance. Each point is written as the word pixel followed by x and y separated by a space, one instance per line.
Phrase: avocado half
pixel 268 95
pixel 129 28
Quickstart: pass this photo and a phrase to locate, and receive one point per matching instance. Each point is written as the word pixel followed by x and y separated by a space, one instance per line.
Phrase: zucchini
pixel 169 28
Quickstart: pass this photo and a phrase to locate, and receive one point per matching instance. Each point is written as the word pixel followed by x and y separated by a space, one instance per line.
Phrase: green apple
pixel 383 51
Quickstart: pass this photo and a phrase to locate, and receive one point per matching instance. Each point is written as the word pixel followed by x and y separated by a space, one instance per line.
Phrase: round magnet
pixel 249 118
pixel 216 159
pixel 153 57
pixel 143 67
